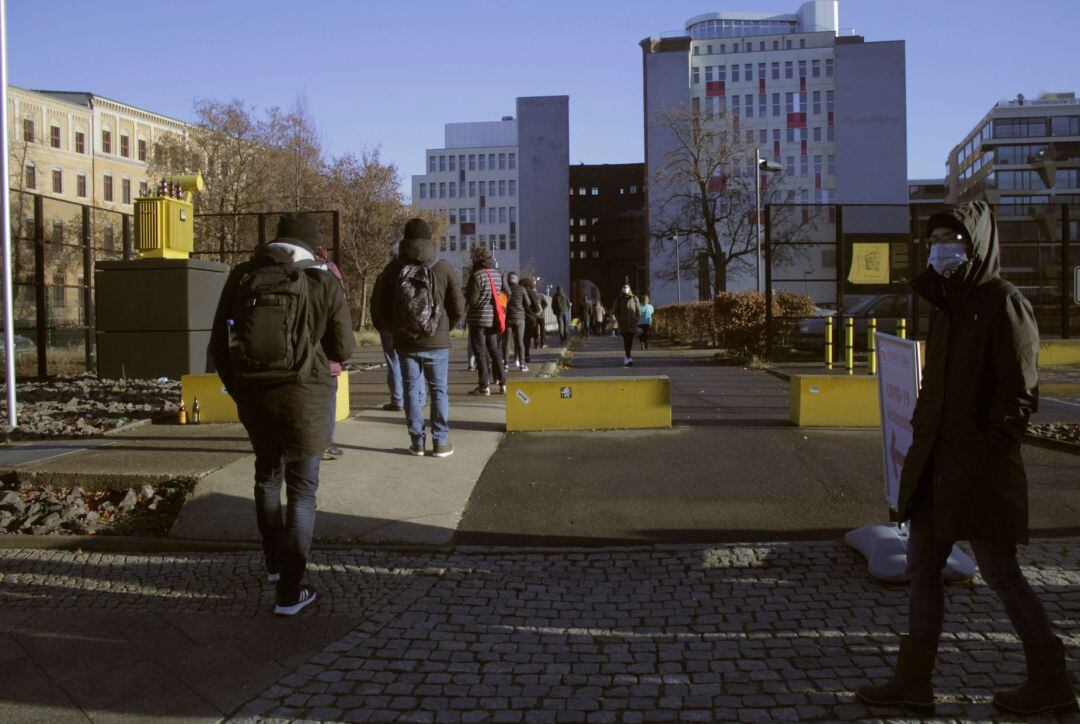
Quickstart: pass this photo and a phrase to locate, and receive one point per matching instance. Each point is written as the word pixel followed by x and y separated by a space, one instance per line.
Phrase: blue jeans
pixel 430 366
pixel 564 325
pixel 286 538
pixel 997 563
pixel 393 366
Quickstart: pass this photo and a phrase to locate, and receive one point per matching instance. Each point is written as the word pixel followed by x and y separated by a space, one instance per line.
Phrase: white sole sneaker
pixel 307 596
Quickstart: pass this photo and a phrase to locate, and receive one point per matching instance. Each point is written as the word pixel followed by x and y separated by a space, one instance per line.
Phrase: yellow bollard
pixel 849 345
pixel 901 328
pixel 828 342
pixel 871 345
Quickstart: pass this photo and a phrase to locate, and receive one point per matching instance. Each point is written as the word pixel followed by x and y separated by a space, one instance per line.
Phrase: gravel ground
pixel 85 406
pixel 1068 432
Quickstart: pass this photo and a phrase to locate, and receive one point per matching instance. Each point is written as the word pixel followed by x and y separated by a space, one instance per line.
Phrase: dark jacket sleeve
pixel 219 334
pixel 472 291
pixel 338 341
pixel 377 321
pixel 1015 353
pixel 382 297
pixel 454 301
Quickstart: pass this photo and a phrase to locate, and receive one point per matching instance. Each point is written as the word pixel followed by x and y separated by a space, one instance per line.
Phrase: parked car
pixel 887 309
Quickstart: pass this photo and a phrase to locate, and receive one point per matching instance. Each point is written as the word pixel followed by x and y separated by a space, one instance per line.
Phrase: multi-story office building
pixel 1023 156
pixel 608 244
pixel 830 109
pixel 502 185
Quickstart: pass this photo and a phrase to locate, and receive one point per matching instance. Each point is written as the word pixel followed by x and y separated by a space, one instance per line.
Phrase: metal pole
pixel 1065 301
pixel 849 345
pixel 871 345
pixel 41 307
pixel 768 284
pixel 678 272
pixel 337 237
pixel 757 218
pixel 89 319
pixel 5 174
pixel 828 343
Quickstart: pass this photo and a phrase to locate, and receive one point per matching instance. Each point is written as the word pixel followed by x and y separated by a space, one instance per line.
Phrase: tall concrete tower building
pixel 825 105
pixel 504 185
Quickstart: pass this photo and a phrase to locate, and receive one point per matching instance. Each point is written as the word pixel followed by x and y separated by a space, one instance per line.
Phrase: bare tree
pixel 704 192
pixel 296 170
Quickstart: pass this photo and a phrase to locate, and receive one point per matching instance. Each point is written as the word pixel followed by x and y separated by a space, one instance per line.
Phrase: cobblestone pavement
pixel 780 631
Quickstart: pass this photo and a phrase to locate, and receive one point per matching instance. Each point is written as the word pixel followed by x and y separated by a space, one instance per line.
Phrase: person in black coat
pixel 963 477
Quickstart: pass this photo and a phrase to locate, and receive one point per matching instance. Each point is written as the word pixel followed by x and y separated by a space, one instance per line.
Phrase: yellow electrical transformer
pixel 164 226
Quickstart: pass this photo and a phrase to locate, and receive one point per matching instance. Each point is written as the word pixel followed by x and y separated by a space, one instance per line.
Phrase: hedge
pixel 734 321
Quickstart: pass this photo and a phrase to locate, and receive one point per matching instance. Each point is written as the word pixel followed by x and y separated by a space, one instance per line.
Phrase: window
pixel 829 101
pixel 31 176
pixel 787 45
pixel 80 142
pixel 125 145
pixel 491 161
pixel 735 104
pixel 828 67
pixel 697 50
pixel 106 187
pixel 804 166
pixel 144 187
pixel 502 161
pixel 483 187
pixel 761 70
pixel 80 185
pixel 57 232
pixel 1020 180
pixel 502 242
pixel 775 67
pixel 802 42
pixel 763 105
pixel 582 191
pixel 54 136
pixel 763 136
pixel 818 168
pixel 748 72
pixel 502 187
pixel 817 134
pixel 125 190
pixel 502 214
pixel 442 244
pixel 106 140
pixel 491 215
pixel 695 106
pixel 735 73
pixel 815 68
pixel 59 291
pixel 513 187
pixel 442 163
pixel 28 130
pixel 1019 127
pixel 423 191
pixel 832 164
pixel 483 162
pixel 1067 178
pixel 142 149
pixel 802 68
pixel 513 160
pixel 789 102
pixel 442 189
pixel 1066 125
pixel 472 189
pixel 108 236
pixel 431 164
pixel 817 103
pixel 472 161
pixel 789 166
pixel 453 186
pixel 830 134
pixel 452 217
pixel 595 191
pixel 776 104
pixel 57 181
pixel 461 162
pixel 791 135
pixel 695 75
pixel 453 163
pixel 789 69
pixel 513 217
pixel 749 105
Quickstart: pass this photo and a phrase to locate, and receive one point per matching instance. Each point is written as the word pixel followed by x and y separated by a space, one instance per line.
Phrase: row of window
pixel 744 104
pixel 720 72
pixel 1064 178
pixel 494 242
pixel 584 254
pixel 488 215
pixel 30 182
pixel 748 46
pixel 595 191
pixel 476 162
pixel 454 190
pixel 80 140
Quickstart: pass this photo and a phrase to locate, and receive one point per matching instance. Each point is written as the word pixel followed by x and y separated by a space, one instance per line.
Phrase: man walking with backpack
pixel 421 302
pixel 279 323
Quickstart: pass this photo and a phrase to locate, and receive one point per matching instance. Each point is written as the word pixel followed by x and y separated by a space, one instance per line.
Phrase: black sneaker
pixel 417 448
pixel 303 599
pixel 502 388
pixel 392 407
pixel 443 450
pixel 482 391
pixel 332 453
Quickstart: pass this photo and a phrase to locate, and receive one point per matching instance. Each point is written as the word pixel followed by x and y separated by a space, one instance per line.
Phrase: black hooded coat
pixel 980 385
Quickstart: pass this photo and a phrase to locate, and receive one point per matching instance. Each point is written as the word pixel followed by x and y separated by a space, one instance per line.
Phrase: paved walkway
pixel 762 632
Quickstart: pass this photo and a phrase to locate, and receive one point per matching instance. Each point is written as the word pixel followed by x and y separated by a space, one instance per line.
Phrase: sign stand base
pixel 885 548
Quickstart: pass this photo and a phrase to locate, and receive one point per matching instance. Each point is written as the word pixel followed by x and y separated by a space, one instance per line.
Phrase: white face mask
pixel 626 290
pixel 946 257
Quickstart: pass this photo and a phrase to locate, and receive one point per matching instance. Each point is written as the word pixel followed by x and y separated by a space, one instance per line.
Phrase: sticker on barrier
pixel 523 397
pixel 566 392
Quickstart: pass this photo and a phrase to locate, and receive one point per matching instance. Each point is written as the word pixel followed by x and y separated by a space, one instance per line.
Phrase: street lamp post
pixel 760 164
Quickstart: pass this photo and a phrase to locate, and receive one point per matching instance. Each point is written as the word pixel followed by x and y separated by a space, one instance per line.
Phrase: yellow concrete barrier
pixel 832 401
pixel 1054 352
pixel 588 403
pixel 215 405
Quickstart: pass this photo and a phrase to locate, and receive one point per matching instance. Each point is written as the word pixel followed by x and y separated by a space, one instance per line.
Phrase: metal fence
pixel 55 244
pixel 809 249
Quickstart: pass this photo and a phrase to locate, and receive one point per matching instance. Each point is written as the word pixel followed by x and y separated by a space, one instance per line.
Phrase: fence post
pixel 913 271
pixel 41 314
pixel 89 319
pixel 839 261
pixel 337 237
pixel 1065 301
pixel 768 283
pixel 125 234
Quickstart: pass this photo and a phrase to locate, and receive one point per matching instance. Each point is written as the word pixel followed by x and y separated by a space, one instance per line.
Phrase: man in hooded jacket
pixel 963 477
pixel 289 424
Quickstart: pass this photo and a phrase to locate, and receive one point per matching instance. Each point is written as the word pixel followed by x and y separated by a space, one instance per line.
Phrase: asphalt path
pixel 732 468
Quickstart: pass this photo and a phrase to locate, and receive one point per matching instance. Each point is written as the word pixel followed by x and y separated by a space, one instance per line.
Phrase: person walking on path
pixel 481 298
pixel 645 321
pixel 560 305
pixel 421 304
pixel 332 451
pixel 515 319
pixel 534 318
pixel 963 477
pixel 587 311
pixel 626 314
pixel 279 323
pixel 599 318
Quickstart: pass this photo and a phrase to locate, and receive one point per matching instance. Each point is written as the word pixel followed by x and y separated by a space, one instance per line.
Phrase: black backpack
pixel 417 307
pixel 270 340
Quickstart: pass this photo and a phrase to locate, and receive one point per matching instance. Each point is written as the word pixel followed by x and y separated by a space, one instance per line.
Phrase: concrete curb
pixel 137 544
pixel 551 369
pixel 1058 445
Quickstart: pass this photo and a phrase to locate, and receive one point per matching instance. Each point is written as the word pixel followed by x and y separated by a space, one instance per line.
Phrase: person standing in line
pixel 963 477
pixel 626 314
pixel 534 317
pixel 333 451
pixel 587 318
pixel 599 318
pixel 560 305
pixel 515 318
pixel 422 302
pixel 386 340
pixel 280 381
pixel 541 318
pixel 481 292
pixel 645 321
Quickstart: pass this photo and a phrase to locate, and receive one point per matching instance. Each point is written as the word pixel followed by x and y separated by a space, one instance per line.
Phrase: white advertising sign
pixel 899 378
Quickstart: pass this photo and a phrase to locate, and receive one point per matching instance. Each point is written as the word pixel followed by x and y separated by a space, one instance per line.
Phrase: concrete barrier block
pixel 1055 352
pixel 588 403
pixel 834 401
pixel 215 405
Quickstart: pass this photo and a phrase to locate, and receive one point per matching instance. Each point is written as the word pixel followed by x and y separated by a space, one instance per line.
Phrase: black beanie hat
pixel 417 229
pixel 300 227
pixel 949 221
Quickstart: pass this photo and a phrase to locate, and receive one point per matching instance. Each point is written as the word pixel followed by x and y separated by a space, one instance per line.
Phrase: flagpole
pixel 5 205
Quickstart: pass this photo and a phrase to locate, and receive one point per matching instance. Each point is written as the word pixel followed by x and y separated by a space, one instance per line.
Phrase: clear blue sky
pixel 391 73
